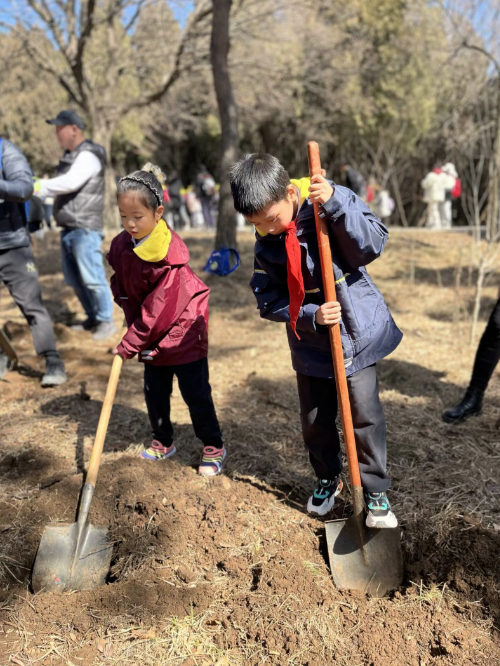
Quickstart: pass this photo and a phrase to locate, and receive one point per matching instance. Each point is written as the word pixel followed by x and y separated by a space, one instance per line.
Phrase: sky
pixel 180 8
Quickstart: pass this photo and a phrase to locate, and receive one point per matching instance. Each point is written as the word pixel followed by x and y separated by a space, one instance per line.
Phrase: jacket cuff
pixel 333 207
pixel 307 317
pixel 124 352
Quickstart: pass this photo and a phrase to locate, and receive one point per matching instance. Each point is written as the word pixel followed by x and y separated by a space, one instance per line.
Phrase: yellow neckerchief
pixel 156 245
pixel 302 184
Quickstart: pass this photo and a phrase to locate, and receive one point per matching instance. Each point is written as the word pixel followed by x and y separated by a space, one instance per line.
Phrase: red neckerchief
pixel 295 281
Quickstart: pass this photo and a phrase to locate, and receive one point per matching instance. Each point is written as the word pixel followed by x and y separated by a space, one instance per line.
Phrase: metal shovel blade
pixel 374 568
pixel 64 562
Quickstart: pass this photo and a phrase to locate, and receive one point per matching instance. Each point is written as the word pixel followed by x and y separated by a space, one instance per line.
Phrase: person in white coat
pixel 434 187
pixel 445 212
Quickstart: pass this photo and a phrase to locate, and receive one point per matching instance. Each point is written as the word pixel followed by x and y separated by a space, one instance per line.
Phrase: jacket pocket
pixel 364 305
pixel 259 282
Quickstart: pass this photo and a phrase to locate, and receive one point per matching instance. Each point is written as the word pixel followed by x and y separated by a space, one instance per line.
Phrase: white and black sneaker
pixel 379 512
pixel 323 498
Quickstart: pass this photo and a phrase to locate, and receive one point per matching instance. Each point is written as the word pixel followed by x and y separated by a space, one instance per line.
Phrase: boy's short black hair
pixel 257 181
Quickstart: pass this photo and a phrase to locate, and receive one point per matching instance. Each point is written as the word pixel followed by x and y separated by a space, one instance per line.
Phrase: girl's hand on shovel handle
pixel 320 190
pixel 329 313
pixel 115 352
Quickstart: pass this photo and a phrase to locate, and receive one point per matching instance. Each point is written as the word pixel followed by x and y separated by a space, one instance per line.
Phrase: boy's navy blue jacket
pixel 357 237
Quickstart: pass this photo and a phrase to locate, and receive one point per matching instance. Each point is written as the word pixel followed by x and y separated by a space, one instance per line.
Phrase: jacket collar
pixel 155 246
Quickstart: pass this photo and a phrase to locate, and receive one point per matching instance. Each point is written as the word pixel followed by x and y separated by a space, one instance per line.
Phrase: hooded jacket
pixel 164 302
pixel 16 187
pixel 357 237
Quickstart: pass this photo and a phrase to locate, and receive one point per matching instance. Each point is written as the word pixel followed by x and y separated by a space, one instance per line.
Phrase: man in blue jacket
pixel 288 286
pixel 17 264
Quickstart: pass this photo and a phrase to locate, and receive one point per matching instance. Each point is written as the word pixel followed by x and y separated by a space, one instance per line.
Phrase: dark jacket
pixel 82 209
pixel 165 303
pixel 354 181
pixel 367 328
pixel 174 192
pixel 16 187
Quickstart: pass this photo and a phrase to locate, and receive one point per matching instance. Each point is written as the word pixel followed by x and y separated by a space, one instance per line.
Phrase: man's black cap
pixel 67 118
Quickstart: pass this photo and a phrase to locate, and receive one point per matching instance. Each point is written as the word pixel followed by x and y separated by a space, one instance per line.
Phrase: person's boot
pixel 55 373
pixel 471 405
pixel 88 325
pixel 4 365
pixel 104 330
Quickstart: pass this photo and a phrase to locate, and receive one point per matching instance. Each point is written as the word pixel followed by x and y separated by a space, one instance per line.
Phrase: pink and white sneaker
pixel 158 452
pixel 211 461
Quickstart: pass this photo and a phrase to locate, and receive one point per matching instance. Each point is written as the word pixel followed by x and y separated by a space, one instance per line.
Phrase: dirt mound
pixel 234 552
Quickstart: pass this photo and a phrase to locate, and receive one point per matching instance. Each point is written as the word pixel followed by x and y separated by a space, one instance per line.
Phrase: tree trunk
pixel 492 217
pixel 477 303
pixel 228 112
pixel 101 133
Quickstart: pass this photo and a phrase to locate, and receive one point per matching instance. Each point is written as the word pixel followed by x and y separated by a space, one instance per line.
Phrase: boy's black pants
pixel 488 352
pixel 318 407
pixel 18 272
pixel 196 392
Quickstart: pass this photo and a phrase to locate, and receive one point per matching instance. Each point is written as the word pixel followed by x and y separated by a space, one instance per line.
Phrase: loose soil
pixel 231 570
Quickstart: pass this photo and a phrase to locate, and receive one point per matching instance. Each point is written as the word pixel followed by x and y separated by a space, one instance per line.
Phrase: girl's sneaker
pixel 323 498
pixel 211 461
pixel 158 452
pixel 379 512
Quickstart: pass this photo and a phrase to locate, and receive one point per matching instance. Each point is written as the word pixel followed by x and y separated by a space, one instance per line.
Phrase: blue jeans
pixel 84 271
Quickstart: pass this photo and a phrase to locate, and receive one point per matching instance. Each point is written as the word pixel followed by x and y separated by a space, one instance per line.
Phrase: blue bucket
pixel 219 262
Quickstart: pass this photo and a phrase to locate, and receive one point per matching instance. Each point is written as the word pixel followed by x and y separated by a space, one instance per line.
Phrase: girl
pixel 166 308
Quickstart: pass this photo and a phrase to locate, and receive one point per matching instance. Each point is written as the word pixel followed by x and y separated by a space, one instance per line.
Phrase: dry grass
pixel 171 643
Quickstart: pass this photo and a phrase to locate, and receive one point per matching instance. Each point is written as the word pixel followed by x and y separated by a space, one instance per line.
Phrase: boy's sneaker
pixel 323 498
pixel 211 461
pixel 379 512
pixel 158 452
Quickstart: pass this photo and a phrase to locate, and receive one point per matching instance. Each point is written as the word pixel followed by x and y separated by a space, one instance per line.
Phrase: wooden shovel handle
pixel 107 405
pixel 325 254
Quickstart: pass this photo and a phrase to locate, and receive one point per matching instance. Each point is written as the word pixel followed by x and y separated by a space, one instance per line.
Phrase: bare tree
pixel 99 65
pixel 477 153
pixel 228 113
pixel 482 176
pixel 463 16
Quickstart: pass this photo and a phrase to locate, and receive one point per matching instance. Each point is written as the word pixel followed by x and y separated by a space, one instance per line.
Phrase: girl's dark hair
pixel 257 181
pixel 147 182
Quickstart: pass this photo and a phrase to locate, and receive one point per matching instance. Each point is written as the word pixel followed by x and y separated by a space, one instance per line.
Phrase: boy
pixel 288 287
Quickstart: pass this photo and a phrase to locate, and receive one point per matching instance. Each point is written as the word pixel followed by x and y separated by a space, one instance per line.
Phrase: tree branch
pixel 472 47
pixel 135 16
pixel 44 64
pixel 203 10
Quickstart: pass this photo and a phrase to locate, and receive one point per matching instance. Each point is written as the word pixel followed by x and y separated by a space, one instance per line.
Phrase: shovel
pixel 364 559
pixel 78 556
pixel 8 349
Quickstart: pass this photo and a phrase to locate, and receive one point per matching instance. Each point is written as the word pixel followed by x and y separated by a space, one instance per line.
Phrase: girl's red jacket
pixel 165 304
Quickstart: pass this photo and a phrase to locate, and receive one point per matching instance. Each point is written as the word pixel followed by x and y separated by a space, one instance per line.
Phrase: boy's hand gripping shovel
pixel 78 556
pixel 362 559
